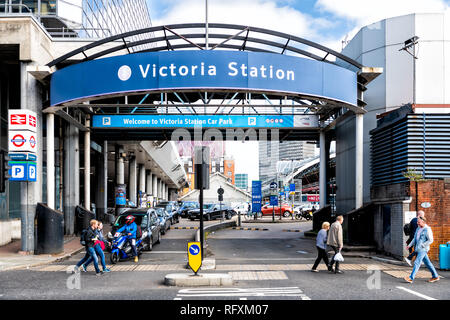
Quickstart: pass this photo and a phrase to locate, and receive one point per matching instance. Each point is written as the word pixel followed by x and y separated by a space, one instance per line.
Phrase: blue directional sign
pixel 273 200
pixel 273 185
pixel 194 249
pixel 256 196
pixel 203 70
pixel 292 187
pixel 22 171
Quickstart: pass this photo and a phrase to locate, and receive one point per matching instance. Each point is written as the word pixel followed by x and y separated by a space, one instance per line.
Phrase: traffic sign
pixel 273 185
pixel 194 255
pixel 20 119
pixel 22 171
pixel 292 187
pixel 273 200
pixel 22 141
pixel 256 196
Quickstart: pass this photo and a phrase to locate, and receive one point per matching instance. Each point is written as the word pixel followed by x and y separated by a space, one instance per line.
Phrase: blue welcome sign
pixel 256 196
pixel 204 69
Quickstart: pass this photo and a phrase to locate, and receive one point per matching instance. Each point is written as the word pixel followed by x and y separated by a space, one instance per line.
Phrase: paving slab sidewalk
pixel 11 259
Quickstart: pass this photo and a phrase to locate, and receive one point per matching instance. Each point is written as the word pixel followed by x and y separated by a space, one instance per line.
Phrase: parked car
pixel 172 208
pixel 212 211
pixel 164 219
pixel 146 220
pixel 285 210
pixel 186 207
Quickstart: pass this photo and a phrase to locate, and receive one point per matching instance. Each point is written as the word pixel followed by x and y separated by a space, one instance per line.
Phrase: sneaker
pixel 106 270
pixel 136 259
pixel 331 270
pixel 98 273
pixel 408 279
pixel 83 267
pixel 408 262
pixel 75 269
pixel 434 279
pixel 339 271
pixel 314 270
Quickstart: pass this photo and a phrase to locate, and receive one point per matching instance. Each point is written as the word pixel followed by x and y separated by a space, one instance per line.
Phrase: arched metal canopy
pixel 192 36
pixel 242 38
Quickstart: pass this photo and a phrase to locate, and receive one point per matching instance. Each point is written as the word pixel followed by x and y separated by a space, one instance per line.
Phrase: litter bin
pixel 444 256
pixel 49 230
pixel 82 218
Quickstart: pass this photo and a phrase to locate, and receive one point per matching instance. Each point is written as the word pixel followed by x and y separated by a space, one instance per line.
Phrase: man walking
pixel 336 242
pixel 423 238
pixel 90 238
pixel 412 231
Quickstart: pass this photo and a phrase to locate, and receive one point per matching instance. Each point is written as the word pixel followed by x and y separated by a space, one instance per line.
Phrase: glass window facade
pixel 86 18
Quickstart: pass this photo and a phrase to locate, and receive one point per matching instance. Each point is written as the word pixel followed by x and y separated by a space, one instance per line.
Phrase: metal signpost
pixel 273 199
pixel 292 193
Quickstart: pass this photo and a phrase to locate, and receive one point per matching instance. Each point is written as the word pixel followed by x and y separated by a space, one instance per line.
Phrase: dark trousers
pixel 322 254
pixel 336 250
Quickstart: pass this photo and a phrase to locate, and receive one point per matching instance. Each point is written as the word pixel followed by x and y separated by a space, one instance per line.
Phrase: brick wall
pixel 437 193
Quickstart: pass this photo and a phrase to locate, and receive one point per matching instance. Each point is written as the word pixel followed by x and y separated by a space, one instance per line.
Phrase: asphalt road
pixel 271 264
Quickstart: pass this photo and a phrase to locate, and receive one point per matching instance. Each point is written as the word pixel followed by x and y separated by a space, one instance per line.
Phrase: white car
pixel 241 208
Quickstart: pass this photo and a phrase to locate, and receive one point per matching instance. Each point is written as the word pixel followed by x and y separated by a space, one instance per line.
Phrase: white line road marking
pixel 417 294
pixel 177 299
pixel 243 293
pixel 242 298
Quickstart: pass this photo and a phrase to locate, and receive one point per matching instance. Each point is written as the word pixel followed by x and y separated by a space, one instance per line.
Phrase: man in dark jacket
pixel 412 231
pixel 90 237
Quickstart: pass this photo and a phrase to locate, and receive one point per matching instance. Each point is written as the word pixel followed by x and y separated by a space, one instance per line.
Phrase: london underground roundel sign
pixel 18 140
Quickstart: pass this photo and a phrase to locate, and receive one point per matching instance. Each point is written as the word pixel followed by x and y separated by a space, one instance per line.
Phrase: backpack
pixel 406 229
pixel 83 237
pixel 138 232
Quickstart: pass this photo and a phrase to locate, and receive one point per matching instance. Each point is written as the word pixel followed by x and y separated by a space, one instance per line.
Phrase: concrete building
pixel 425 80
pixel 419 77
pixel 272 151
pixel 86 169
pixel 241 181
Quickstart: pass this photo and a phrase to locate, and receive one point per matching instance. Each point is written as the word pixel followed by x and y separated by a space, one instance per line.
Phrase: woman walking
pixel 321 244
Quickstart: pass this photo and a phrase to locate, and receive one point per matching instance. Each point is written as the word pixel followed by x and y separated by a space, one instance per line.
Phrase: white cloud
pixel 368 11
pixel 269 14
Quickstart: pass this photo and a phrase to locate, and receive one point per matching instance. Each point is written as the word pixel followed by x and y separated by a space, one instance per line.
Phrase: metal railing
pixel 11 5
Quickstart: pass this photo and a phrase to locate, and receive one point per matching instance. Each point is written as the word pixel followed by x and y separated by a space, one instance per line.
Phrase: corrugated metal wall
pixel 420 142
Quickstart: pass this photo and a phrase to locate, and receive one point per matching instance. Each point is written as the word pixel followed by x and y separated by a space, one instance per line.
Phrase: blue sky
pixel 325 21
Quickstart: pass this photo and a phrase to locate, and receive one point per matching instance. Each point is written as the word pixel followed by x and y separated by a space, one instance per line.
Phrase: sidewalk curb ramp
pixel 191 280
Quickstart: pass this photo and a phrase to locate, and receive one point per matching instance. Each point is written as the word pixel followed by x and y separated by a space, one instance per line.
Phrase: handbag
pixel 101 243
pixel 338 257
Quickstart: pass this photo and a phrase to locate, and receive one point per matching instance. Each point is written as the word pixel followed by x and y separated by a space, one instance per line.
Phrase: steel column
pixel 51 160
pixel 358 161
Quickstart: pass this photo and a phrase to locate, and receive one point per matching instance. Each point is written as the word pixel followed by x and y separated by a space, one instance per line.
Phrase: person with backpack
pixel 88 238
pixel 422 240
pixel 411 232
pixel 99 246
pixel 130 229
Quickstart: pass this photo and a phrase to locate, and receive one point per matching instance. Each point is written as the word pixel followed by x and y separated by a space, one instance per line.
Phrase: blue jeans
pixel 423 256
pixel 99 251
pixel 90 253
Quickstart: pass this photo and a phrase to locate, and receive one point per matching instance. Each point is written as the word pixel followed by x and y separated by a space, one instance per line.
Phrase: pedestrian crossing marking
pixel 401 274
pixel 259 275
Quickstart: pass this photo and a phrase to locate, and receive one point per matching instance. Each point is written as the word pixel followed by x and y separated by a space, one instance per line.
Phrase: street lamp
pixel 408 44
